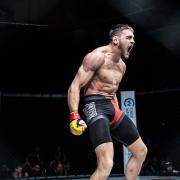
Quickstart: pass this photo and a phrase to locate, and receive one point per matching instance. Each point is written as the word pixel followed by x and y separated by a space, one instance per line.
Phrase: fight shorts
pixel 106 120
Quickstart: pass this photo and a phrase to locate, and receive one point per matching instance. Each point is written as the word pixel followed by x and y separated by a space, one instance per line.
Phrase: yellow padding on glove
pixel 75 129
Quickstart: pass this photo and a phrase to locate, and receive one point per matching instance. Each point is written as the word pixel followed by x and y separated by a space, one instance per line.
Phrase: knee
pixel 109 164
pixel 143 152
pixel 106 165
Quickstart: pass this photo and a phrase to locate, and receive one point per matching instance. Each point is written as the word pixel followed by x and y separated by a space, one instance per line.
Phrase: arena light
pixel 158 19
pixel 168 35
pixel 129 8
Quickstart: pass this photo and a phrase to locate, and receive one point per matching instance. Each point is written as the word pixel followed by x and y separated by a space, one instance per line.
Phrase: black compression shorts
pixel 105 120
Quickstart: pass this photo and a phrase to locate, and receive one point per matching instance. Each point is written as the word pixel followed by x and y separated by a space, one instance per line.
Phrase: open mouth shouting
pixel 128 50
pixel 130 47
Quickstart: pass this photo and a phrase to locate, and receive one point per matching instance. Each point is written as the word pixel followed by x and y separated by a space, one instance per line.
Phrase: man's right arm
pixel 91 62
pixel 81 79
pixel 77 126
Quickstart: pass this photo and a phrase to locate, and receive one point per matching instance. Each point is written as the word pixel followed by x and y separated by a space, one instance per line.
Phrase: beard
pixel 124 51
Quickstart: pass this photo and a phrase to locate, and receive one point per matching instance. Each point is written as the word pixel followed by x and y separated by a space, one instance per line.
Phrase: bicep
pixel 90 65
pixel 83 77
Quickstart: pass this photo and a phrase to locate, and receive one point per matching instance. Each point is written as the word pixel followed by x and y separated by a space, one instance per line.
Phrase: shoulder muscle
pixel 92 61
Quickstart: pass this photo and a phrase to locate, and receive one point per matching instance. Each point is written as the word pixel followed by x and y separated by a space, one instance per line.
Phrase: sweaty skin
pixel 100 73
pixel 108 75
pixel 101 70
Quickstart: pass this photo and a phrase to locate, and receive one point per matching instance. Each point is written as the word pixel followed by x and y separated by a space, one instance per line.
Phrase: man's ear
pixel 115 40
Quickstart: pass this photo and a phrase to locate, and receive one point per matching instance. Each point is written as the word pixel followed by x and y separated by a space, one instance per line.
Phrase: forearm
pixel 77 125
pixel 73 99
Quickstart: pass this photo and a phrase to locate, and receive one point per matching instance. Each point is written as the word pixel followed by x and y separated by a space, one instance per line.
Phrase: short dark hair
pixel 117 29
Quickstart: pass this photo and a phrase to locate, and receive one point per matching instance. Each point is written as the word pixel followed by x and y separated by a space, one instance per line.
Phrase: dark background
pixel 43 43
pixel 62 32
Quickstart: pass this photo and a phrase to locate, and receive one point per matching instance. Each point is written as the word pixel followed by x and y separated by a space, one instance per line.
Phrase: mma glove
pixel 75 127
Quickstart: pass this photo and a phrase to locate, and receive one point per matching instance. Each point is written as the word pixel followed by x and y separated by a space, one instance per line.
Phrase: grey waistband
pixel 96 118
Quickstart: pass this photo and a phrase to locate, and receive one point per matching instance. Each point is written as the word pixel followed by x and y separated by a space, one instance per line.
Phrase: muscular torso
pixel 107 77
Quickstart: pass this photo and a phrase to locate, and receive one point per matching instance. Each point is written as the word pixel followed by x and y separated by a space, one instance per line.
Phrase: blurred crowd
pixel 35 166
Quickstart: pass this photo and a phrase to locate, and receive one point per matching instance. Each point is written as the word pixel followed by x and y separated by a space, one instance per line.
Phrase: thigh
pixel 126 132
pixel 99 132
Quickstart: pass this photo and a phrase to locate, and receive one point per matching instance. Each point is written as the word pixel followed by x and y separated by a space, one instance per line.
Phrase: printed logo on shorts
pixel 90 110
